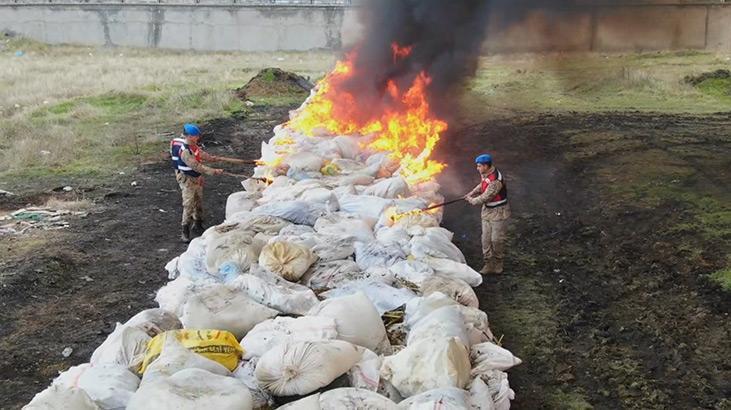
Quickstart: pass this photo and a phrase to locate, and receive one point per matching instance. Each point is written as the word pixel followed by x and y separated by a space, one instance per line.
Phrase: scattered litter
pixel 87 278
pixel 22 220
pixel 67 352
pixel 133 183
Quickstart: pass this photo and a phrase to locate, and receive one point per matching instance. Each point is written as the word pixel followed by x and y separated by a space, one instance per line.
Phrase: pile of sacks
pixel 284 302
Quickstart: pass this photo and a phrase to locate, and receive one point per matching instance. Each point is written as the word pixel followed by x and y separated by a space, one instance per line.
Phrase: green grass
pixel 595 82
pixel 722 278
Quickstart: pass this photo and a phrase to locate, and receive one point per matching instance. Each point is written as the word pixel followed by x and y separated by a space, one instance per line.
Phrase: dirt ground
pixel 604 297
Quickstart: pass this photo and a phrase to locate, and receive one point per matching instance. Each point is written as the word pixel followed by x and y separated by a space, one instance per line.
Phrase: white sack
pixel 331 247
pixel 366 374
pixel 411 374
pixel 296 230
pixel 219 307
pixel 282 295
pixel 289 260
pixel 348 146
pixel 125 346
pixel 478 329
pixel 61 398
pixel 173 295
pixel 297 212
pixel 412 271
pixel 302 367
pixel 445 322
pixel 241 201
pixel 356 318
pixel 396 235
pixel 270 333
pixel 435 244
pixel 109 385
pixel 451 269
pixel 354 398
pixel 330 274
pixel 480 395
pixel 448 398
pixel 192 262
pixel 489 356
pixel 245 373
pixel 364 205
pixel 339 225
pixel 388 188
pixel 155 321
pixel 384 296
pixel 192 389
pixel 311 402
pixel 304 161
pixel 375 254
pixel 499 387
pixel 456 289
pixel 321 196
pixel 232 252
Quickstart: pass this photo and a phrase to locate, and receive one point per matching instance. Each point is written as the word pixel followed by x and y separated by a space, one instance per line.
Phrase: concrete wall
pixel 216 28
pixel 220 26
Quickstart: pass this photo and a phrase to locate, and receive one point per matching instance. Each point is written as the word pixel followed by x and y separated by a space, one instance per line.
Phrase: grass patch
pixel 716 87
pixel 722 278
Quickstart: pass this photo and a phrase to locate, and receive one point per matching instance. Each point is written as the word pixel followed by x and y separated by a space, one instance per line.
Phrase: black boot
pixel 198 227
pixel 185 233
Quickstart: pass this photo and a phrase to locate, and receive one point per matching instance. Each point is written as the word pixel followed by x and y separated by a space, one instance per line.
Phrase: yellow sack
pixel 218 345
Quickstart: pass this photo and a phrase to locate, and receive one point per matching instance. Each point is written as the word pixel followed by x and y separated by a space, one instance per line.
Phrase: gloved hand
pixel 217 171
pixel 471 200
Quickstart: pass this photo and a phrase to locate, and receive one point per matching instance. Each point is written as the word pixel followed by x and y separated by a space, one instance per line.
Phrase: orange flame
pixel 400 52
pixel 406 128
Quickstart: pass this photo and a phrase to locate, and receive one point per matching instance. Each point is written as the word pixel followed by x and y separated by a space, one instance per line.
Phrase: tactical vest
pixel 176 146
pixel 502 197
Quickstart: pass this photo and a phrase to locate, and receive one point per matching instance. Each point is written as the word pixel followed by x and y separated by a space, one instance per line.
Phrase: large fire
pixel 405 127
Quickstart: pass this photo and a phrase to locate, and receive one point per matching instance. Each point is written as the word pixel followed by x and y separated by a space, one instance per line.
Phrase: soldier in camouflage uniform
pixel 492 195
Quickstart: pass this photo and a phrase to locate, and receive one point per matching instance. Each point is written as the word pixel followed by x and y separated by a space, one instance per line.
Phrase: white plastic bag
pixel 109 385
pixel 356 318
pixel 192 389
pixel 489 356
pixel 287 259
pixel 219 307
pixel 61 398
pixel 411 374
pixel 499 387
pixel 304 161
pixel 298 368
pixel 270 333
pixel 125 346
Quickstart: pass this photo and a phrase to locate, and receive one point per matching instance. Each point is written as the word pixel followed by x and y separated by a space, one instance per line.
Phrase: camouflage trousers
pixel 192 192
pixel 494 231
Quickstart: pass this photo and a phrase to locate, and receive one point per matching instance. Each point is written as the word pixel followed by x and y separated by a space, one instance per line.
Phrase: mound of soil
pixel 272 82
pixel 695 80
